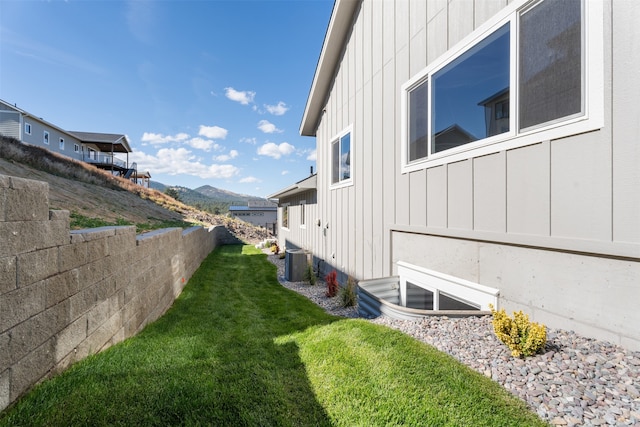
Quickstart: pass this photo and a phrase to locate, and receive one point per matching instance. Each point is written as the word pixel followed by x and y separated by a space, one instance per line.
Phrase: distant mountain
pixel 157 186
pixel 225 195
pixel 208 198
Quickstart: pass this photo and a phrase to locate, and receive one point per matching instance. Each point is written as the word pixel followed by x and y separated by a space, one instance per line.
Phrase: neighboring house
pixel 99 149
pixel 298 220
pixel 260 213
pixel 540 211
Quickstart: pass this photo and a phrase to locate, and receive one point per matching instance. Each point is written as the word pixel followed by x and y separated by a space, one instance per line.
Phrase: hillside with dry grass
pixel 90 193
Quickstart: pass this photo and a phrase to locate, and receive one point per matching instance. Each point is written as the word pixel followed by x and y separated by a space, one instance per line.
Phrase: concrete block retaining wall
pixel 67 294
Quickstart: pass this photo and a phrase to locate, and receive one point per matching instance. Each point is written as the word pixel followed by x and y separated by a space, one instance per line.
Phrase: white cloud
pixel 276 151
pixel 243 97
pixel 312 156
pixel 284 173
pixel 158 138
pixel 251 141
pixel 226 157
pixel 202 144
pixel 249 179
pixel 277 110
pixel 267 127
pixel 213 132
pixel 180 161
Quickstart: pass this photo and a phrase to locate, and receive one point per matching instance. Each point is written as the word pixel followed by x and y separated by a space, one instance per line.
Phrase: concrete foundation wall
pixel 596 296
pixel 67 294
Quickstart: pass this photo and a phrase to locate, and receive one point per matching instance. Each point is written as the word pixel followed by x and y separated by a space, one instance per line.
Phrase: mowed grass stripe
pixel 237 348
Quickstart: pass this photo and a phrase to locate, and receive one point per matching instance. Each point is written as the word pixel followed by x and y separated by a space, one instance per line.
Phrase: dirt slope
pixel 91 200
pixel 109 202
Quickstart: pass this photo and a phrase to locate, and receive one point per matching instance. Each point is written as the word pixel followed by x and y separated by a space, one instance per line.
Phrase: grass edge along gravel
pixel 237 348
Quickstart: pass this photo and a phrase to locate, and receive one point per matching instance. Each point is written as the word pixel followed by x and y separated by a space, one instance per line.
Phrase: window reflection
pixel 468 93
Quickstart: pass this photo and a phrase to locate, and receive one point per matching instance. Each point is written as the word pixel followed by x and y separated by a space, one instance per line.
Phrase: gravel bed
pixel 576 381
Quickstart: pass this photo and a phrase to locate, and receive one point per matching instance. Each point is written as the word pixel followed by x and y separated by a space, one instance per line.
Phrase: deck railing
pixel 104 159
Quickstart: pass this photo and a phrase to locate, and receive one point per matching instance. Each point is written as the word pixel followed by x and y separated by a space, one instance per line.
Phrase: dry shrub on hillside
pixel 56 164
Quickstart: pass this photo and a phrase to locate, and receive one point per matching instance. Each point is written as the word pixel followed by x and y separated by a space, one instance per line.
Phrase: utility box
pixel 295 263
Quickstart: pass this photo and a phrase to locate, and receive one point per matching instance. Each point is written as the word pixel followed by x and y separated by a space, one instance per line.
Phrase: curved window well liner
pixel 419 292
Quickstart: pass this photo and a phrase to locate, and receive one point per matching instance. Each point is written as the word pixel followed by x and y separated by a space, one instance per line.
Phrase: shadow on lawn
pixel 210 360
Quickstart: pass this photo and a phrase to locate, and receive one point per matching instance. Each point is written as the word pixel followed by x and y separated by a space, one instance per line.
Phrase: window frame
pixel 45 138
pixel 76 148
pixel 338 138
pixel 61 143
pixel 465 291
pixel 303 214
pixel 285 214
pixel 27 128
pixel 592 118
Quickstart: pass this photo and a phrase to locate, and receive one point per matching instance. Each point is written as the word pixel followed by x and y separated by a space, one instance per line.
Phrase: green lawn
pixel 238 349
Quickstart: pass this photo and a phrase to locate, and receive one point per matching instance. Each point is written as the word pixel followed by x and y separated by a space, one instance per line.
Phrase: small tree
pixel 172 192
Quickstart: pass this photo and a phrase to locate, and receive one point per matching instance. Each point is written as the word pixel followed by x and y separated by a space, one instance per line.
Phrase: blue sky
pixel 208 92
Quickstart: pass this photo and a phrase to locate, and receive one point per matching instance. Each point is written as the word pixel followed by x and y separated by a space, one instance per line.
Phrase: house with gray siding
pixel 488 146
pixel 261 213
pixel 104 150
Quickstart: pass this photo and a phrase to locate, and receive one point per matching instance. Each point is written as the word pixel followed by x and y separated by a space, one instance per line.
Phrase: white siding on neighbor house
pixel 554 206
pixel 10 123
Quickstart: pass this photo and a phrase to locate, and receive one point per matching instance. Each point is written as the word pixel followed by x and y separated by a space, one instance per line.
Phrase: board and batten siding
pixel 298 236
pixel 565 211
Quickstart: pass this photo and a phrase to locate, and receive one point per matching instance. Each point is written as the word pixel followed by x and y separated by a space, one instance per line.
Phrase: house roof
pixel 309 183
pixel 339 25
pixel 106 142
pixel 253 208
pixel 36 118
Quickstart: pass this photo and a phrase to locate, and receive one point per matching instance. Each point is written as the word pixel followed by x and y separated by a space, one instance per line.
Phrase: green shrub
pixel 523 337
pixel 309 275
pixel 348 295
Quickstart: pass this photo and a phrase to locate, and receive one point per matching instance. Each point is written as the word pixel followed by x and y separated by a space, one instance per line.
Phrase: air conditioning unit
pixel 295 263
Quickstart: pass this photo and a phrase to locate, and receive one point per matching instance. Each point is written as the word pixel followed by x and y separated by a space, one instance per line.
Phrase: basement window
pixel 426 289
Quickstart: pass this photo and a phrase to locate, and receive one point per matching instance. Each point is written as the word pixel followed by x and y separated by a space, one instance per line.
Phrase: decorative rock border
pixel 577 381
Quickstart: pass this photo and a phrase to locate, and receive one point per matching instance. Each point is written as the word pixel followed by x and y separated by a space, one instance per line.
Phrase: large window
pixel 341 159
pixel 551 64
pixel 521 74
pixel 465 94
